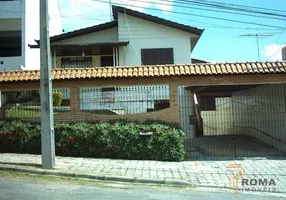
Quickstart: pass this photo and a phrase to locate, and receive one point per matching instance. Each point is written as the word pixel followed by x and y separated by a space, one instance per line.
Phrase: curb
pixel 98 177
pixel 228 188
pixel 174 182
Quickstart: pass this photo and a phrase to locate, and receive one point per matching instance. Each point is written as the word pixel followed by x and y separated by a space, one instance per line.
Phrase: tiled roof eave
pixel 205 69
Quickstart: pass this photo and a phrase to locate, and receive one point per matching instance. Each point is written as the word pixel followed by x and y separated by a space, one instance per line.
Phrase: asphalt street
pixel 26 187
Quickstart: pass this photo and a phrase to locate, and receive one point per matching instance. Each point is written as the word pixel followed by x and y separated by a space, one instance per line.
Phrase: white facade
pixel 107 35
pixel 126 39
pixel 23 16
pixel 143 34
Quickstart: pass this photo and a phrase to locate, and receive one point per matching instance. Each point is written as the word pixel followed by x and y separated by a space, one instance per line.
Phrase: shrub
pixel 19 137
pixel 57 99
pixel 112 139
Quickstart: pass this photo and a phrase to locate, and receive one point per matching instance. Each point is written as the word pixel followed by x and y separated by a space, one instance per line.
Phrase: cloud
pixel 84 6
pixel 76 13
pixel 272 52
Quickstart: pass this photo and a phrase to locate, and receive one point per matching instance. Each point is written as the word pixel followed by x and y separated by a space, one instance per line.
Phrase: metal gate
pixel 234 120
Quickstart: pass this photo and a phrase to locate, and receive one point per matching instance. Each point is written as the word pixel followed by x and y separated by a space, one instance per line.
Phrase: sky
pixel 222 41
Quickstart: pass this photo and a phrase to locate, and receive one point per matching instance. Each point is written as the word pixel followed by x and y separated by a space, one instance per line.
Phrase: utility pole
pixel 257 42
pixel 47 118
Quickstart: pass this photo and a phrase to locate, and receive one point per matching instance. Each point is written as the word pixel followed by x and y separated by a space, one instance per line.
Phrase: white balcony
pixel 11 9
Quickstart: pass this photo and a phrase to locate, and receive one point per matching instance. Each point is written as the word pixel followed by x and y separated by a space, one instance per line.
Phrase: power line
pixel 279 35
pixel 236 7
pixel 240 5
pixel 219 8
pixel 184 5
pixel 211 25
pixel 222 6
pixel 195 8
pixel 62 15
pixel 203 16
pixel 275 43
pixel 132 43
pixel 276 52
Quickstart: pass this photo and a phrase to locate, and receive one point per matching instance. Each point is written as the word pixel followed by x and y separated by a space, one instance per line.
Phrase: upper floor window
pixel 10 43
pixel 77 62
pixel 157 56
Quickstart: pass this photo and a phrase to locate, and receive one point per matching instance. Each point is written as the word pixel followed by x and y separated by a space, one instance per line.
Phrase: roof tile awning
pixel 202 69
pixel 99 44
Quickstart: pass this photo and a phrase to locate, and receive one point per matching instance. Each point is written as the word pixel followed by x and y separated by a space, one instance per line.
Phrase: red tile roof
pixel 199 69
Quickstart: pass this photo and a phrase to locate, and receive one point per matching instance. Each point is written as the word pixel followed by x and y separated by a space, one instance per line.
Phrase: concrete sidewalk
pixel 200 173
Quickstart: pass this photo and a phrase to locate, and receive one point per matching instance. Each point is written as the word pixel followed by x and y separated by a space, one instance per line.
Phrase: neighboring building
pixel 132 39
pixel 284 53
pixel 19 26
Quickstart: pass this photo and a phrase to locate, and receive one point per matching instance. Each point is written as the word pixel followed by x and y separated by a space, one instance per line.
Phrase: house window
pixel 10 43
pixel 157 56
pixel 77 62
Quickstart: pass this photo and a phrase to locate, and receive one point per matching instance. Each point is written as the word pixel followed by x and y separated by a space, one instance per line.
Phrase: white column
pixel 186 109
pixel 55 58
pixel 117 56
pixel 47 117
pixel 23 33
pixel 113 56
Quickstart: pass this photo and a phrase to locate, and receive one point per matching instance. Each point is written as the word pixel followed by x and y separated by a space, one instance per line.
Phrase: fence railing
pixel 108 100
pixel 124 100
pixel 26 104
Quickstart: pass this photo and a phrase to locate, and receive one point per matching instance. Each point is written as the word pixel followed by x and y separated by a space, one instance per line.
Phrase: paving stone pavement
pixel 200 172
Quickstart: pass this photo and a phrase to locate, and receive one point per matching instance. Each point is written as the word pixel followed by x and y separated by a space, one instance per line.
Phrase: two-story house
pixel 131 39
pixel 19 26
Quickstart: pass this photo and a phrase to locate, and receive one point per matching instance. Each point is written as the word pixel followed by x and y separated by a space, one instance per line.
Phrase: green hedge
pixel 112 139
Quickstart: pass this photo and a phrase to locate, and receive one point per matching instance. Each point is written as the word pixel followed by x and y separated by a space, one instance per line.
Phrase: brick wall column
pixel 174 103
pixel 74 99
